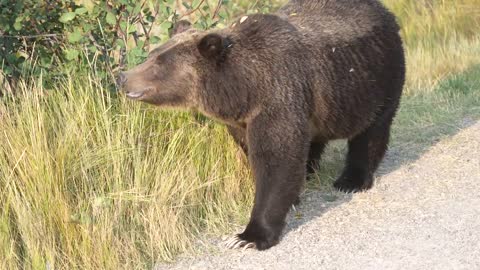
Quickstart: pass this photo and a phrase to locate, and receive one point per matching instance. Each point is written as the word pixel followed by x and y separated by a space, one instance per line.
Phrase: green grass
pixel 441 37
pixel 92 181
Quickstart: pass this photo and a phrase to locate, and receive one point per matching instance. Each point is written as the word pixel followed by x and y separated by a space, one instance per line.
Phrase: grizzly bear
pixel 286 84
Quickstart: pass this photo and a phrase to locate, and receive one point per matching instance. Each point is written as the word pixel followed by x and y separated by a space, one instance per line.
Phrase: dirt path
pixel 423 215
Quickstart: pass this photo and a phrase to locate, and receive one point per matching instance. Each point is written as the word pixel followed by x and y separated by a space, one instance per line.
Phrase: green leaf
pixel 18 26
pixel 123 26
pixel 195 3
pixel 223 14
pixel 66 17
pixel 132 29
pixel 111 19
pixel 166 25
pixel 155 40
pixel 71 54
pixel 120 43
pixel 87 28
pixel 81 11
pixel 138 8
pixel 75 37
pixel 7 70
pixel 127 28
pixel 11 58
pixel 21 54
pixel 165 10
pixel 92 49
pixel 186 5
pixel 136 51
pixel 209 22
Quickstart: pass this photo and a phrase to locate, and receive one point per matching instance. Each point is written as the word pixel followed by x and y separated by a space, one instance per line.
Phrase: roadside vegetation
pixel 90 180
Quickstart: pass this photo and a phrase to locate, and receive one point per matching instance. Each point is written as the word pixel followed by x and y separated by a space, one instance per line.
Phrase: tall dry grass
pixel 90 181
pixel 441 37
pixel 94 182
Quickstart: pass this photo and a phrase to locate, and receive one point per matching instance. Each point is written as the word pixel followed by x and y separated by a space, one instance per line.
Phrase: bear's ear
pixel 213 46
pixel 179 27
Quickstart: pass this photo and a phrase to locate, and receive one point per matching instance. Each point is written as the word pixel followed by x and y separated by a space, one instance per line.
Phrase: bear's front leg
pixel 278 151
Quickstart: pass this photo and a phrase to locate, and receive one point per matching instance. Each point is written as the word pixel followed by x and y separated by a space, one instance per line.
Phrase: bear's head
pixel 169 77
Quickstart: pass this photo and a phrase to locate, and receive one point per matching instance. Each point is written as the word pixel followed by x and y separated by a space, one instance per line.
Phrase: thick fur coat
pixel 285 84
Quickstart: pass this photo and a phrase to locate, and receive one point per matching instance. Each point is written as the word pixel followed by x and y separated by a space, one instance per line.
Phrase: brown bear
pixel 285 84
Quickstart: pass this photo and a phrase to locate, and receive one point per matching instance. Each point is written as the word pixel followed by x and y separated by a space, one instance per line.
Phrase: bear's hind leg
pixel 365 152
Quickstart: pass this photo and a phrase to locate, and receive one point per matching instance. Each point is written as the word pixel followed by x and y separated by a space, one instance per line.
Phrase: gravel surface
pixel 420 215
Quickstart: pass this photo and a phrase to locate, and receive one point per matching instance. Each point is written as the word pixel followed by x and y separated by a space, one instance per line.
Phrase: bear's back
pixel 355 57
pixel 339 21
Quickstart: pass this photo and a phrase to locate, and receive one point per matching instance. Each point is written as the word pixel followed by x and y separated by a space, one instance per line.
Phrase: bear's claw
pixel 235 243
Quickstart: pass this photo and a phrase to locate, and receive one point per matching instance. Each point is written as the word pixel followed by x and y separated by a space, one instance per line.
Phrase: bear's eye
pixel 160 59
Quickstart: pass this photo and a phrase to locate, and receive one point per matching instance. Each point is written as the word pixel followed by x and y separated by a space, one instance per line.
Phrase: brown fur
pixel 286 84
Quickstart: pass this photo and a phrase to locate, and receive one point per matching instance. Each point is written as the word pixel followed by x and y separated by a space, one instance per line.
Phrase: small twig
pixel 95 43
pixel 106 52
pixel 202 13
pixel 135 38
pixel 32 36
pixel 123 58
pixel 139 14
pixel 193 10
pixel 147 37
pixel 157 11
pixel 139 17
pixel 145 31
pixel 117 25
pixel 217 9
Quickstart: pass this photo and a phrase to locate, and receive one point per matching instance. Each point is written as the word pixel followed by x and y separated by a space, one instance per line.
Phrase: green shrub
pixel 40 36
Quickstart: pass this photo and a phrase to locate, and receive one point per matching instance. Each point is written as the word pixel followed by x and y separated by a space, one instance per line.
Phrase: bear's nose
pixel 121 80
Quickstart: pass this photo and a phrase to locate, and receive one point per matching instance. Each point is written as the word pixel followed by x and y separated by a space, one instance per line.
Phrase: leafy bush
pixel 38 36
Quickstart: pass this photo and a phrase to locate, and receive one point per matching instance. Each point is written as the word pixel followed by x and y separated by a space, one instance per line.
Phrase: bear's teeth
pixel 134 94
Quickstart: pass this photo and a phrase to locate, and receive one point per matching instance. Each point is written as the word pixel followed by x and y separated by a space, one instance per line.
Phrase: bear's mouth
pixel 138 94
pixel 135 95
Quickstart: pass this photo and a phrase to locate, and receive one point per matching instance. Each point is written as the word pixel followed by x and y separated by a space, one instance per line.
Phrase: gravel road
pixel 424 214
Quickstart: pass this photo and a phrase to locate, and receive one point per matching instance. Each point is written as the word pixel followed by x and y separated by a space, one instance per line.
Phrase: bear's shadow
pixel 318 200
